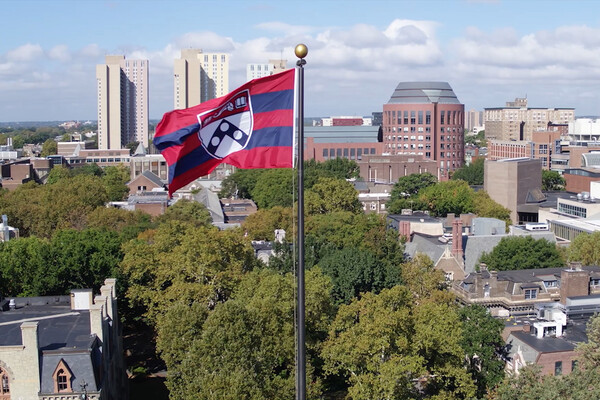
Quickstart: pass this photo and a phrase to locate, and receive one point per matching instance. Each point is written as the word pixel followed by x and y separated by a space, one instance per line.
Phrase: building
pixel 122 102
pixel 62 347
pixel 507 293
pixel 390 168
pixel 199 77
pixel 346 120
pixel 474 121
pixel 324 143
pixel 425 119
pixel 578 180
pixel 542 146
pixel 516 121
pixel 515 183
pixel 254 71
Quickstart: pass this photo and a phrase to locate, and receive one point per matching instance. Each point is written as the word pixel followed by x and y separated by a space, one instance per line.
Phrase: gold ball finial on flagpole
pixel 301 50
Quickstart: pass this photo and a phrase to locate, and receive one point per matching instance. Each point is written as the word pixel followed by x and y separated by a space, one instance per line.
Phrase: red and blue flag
pixel 251 127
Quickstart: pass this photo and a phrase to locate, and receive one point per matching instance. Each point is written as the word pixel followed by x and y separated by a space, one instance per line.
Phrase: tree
pixel 244 348
pixel 57 173
pixel 585 248
pixel 590 350
pixel 26 268
pixel 332 194
pixel 127 223
pixel 262 224
pixel 187 211
pixel 49 148
pixel 384 344
pixel 488 208
pixel 41 210
pixel 240 183
pixel 448 197
pixel 552 180
pixel 275 188
pixel 355 271
pixel 84 259
pixel 472 173
pixel 115 179
pixel 522 252
pixel 410 185
pixel 181 262
pixel 484 347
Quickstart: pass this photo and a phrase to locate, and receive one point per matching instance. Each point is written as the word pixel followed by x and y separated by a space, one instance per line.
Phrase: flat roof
pixel 58 326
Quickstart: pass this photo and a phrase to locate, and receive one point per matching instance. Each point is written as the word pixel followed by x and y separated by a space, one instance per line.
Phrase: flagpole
pixel 301 51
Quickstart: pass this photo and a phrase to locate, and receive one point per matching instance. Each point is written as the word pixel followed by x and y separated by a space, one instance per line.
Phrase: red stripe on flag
pixel 273 83
pixel 174 153
pixel 262 157
pixel 273 118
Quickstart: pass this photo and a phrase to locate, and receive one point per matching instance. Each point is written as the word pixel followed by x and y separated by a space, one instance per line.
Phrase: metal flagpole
pixel 301 51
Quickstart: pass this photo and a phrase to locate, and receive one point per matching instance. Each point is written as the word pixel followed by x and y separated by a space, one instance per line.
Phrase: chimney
pixel 457 239
pixel 574 282
pixel 405 230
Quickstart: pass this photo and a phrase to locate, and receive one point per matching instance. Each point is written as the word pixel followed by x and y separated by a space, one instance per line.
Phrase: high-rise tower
pixel 199 77
pixel 425 119
pixel 122 102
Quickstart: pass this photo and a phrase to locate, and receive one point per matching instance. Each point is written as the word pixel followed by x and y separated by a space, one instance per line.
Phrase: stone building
pixel 62 347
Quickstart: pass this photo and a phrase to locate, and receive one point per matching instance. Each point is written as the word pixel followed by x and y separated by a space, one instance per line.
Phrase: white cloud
pixel 349 70
pixel 60 53
pixel 27 52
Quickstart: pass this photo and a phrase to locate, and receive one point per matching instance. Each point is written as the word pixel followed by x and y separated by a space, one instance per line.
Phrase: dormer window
pixel 530 294
pixel 595 282
pixel 551 284
pixel 62 378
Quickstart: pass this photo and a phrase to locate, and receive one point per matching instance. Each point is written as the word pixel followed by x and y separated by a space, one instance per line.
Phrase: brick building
pixel 425 119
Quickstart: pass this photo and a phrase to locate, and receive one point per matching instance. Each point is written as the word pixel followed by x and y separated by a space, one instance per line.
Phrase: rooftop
pixel 59 327
pixel 423 93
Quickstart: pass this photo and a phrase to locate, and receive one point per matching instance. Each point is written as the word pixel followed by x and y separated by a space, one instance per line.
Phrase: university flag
pixel 251 127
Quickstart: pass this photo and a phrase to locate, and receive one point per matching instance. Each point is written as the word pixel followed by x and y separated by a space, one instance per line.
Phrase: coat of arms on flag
pixel 227 128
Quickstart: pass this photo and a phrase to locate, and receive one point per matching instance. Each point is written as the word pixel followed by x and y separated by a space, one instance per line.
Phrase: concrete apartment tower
pixel 199 77
pixel 122 102
pixel 254 71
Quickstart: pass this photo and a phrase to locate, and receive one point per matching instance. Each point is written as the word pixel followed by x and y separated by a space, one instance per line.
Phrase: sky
pixel 489 51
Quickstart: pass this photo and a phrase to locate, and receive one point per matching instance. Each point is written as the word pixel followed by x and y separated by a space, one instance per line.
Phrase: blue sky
pixel 489 51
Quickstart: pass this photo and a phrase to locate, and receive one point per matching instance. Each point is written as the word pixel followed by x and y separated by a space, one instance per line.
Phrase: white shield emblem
pixel 227 128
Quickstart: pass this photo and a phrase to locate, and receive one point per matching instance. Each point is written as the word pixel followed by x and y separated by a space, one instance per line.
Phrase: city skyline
pixel 490 52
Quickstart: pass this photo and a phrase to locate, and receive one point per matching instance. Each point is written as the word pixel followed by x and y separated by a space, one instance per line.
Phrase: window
pixel 551 284
pixel 530 294
pixel 595 282
pixel 558 368
pixel 573 365
pixel 62 378
pixel 5 387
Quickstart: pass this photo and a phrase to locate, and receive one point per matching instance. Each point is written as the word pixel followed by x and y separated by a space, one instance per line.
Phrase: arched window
pixel 62 378
pixel 4 385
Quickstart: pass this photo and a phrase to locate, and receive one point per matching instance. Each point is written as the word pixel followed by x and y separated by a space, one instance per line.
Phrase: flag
pixel 251 127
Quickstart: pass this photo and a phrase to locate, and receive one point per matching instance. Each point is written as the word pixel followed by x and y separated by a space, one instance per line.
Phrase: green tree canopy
pixel 448 197
pixel 552 180
pixel 522 252
pixel 115 179
pixel 187 211
pixel 182 262
pixel 262 224
pixel 332 194
pixel 488 208
pixel 410 185
pixel 585 248
pixel 245 347
pixel 383 344
pixel 354 271
pixel 484 347
pixel 274 188
pixel 26 267
pixel 472 173
pixel 49 148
